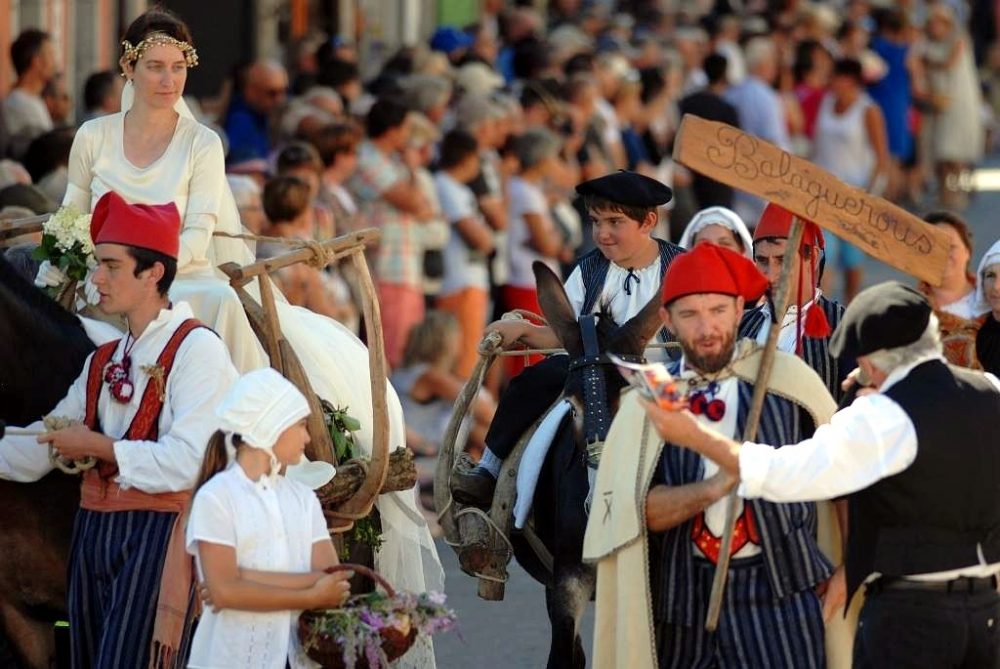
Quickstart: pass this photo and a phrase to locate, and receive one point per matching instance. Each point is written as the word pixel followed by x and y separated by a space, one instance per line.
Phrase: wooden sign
pixel 876 226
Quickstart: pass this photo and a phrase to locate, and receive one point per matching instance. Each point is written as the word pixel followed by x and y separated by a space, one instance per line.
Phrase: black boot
pixel 473 486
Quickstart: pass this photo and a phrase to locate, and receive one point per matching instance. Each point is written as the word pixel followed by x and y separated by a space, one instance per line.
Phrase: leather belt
pixel 960 585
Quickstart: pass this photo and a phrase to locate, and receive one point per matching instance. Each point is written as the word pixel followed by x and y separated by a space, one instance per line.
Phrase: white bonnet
pixel 727 218
pixel 260 406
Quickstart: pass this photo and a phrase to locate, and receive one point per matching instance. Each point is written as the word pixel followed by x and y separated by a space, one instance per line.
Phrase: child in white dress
pixel 259 539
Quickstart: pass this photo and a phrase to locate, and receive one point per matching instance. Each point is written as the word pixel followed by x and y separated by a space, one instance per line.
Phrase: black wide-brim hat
pixel 888 315
pixel 628 188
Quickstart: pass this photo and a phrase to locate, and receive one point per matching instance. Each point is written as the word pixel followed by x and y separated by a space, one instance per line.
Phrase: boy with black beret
pixel 621 275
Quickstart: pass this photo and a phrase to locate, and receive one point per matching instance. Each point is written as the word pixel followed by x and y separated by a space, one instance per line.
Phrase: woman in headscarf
pixel 720 226
pixel 954 301
pixel 988 297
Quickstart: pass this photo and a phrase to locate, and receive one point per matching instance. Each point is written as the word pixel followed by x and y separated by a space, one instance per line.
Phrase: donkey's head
pixel 593 384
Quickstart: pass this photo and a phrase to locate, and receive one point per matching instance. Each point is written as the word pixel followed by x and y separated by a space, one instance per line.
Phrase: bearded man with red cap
pixel 145 407
pixel 771 616
pixel 807 326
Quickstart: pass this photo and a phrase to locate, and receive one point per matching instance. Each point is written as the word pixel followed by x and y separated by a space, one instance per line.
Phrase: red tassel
pixel 817 326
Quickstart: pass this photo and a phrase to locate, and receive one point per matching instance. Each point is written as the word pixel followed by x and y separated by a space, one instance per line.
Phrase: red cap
pixel 156 227
pixel 708 268
pixel 777 222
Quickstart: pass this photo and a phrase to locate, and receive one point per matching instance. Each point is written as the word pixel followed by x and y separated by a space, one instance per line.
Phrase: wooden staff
pixel 781 299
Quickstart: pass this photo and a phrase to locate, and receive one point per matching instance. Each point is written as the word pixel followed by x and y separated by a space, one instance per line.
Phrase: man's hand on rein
pixel 78 442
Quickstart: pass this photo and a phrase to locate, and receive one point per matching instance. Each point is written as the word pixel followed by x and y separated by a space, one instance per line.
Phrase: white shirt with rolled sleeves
pixel 868 441
pixel 622 305
pixel 201 375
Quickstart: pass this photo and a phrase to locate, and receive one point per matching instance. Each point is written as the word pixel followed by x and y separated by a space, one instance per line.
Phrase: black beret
pixel 628 188
pixel 888 315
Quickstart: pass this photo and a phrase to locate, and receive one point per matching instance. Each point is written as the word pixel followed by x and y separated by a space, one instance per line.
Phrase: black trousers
pixel 928 629
pixel 528 396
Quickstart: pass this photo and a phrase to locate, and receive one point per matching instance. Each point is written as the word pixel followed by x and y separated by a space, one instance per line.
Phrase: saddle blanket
pixel 533 459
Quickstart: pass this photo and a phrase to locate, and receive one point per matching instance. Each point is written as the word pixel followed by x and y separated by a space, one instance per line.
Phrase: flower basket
pixel 373 629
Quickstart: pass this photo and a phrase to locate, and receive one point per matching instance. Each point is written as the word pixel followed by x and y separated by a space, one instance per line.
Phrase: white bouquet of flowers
pixel 66 252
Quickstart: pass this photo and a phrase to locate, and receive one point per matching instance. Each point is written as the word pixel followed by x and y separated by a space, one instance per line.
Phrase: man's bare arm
pixel 669 506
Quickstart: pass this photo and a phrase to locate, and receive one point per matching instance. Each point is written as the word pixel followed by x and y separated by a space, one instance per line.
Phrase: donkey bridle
pixel 596 416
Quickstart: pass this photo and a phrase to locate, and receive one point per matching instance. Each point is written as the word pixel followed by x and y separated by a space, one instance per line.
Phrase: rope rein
pixel 321 256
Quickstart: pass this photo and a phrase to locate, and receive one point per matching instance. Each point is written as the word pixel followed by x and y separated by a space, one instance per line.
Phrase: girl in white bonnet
pixel 259 539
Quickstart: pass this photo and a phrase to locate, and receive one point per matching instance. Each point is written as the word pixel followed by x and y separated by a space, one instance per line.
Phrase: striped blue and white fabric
pixel 815 352
pixel 116 561
pixel 779 590
pixel 756 630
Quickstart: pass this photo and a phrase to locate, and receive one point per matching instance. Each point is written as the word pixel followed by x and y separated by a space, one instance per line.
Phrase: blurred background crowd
pixel 463 147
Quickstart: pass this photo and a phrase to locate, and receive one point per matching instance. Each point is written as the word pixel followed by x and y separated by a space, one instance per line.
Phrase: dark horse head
pixel 593 384
pixel 42 347
pixel 560 505
pixel 42 350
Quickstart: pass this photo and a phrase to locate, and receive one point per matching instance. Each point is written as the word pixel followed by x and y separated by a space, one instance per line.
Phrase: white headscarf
pixel 727 218
pixel 992 257
pixel 259 407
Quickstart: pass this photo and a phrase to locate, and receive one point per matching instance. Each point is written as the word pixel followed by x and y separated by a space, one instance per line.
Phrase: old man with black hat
pixel 923 476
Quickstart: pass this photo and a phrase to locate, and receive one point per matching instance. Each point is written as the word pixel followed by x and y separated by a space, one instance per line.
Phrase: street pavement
pixel 510 634
pixel 514 633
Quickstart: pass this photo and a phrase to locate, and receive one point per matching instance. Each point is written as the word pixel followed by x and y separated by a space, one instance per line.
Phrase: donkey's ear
pixel 633 336
pixel 556 308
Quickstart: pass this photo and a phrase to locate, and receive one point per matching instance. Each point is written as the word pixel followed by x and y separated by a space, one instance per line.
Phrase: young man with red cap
pixel 145 406
pixel 771 616
pixel 619 277
pixel 809 322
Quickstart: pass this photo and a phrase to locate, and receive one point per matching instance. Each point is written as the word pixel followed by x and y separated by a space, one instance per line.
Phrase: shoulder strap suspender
pixel 146 423
pixel 593 270
pixel 95 380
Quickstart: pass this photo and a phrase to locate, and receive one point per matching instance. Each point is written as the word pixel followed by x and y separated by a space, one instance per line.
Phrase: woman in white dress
pixel 956 130
pixel 154 151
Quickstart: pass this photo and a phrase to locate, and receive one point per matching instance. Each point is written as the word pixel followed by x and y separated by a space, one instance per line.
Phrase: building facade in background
pixel 226 32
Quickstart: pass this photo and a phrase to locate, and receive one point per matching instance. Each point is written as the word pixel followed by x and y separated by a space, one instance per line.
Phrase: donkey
pixel 43 350
pixel 592 387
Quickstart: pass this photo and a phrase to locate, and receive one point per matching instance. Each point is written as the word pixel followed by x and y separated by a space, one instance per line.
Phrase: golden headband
pixel 133 53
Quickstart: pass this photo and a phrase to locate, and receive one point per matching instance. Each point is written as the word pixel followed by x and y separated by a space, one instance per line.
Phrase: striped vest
pixel 815 352
pixel 793 560
pixel 594 270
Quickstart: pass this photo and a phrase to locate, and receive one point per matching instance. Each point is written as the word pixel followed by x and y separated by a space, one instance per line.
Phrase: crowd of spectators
pixel 464 151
